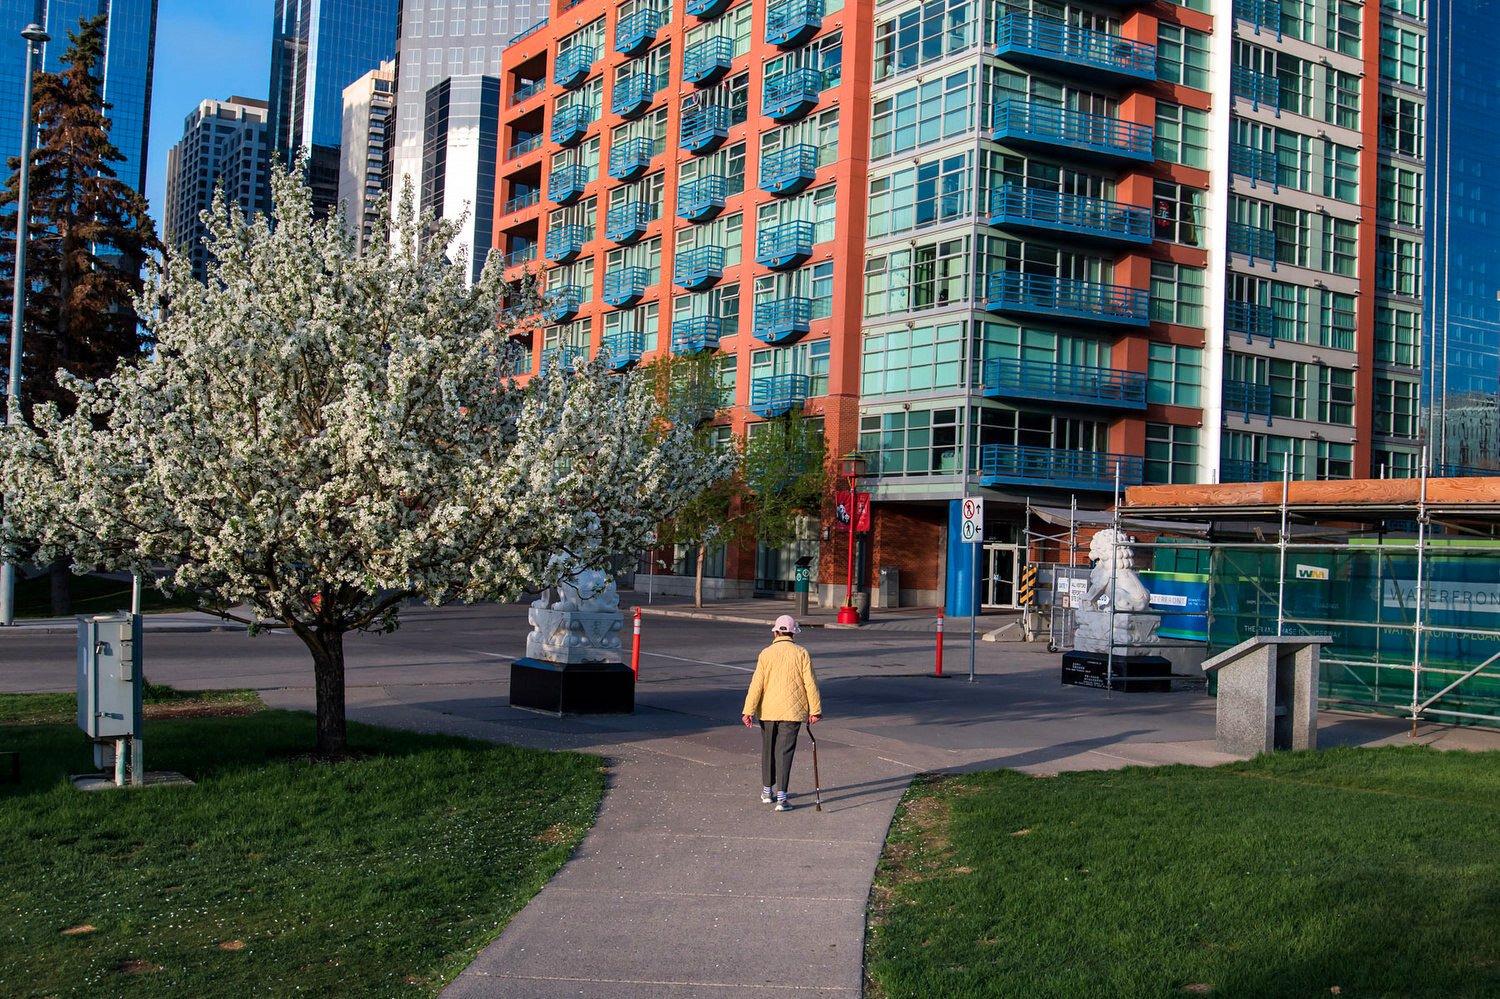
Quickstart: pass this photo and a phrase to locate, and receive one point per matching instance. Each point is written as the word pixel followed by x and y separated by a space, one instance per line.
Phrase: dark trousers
pixel 778 744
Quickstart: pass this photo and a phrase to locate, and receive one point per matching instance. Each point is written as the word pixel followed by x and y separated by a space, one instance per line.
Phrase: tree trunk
pixel 328 680
pixel 61 578
pixel 698 583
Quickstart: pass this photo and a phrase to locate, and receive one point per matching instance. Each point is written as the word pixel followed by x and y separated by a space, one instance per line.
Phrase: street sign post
pixel 972 532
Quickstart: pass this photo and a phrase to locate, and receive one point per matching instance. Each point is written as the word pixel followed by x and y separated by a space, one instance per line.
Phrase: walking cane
pixel 817 781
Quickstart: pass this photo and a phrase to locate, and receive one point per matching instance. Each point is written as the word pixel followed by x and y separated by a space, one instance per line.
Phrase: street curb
pixel 176 629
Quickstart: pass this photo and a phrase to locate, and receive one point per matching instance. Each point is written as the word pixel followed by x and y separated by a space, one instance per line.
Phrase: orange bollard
pixel 939 645
pixel 635 654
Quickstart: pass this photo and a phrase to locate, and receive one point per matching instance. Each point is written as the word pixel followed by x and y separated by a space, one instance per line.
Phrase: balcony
pixel 792 94
pixel 573 65
pixel 789 23
pixel 705 129
pixel 522 36
pixel 1057 467
pixel 634 34
pixel 1075 51
pixel 789 170
pixel 530 144
pixel 563 302
pixel 633 94
pixel 782 320
pixel 1077 384
pixel 565 242
pixel 522 201
pixel 697 335
pixel 701 199
pixel 566 358
pixel 1013 206
pixel 1250 319
pixel 625 286
pixel 622 350
pixel 706 9
pixel 1238 470
pixel 706 63
pixel 1252 241
pixel 1260 13
pixel 1248 399
pixel 631 158
pixel 527 92
pixel 627 221
pixel 1246 84
pixel 520 255
pixel 698 268
pixel 565 184
pixel 570 124
pixel 782 247
pixel 1047 126
pixel 1259 165
pixel 778 395
pixel 1068 298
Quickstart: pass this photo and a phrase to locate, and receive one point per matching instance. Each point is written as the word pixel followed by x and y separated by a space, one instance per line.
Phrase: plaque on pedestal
pixel 1131 674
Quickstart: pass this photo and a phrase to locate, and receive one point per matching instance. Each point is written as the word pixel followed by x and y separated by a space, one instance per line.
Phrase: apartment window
pixel 1336 396
pixel 1342 34
pixel 1288 389
pixel 927 112
pixel 1181 135
pixel 1337 326
pixel 1177 213
pixel 1294 160
pixel 1174 375
pixel 1294 78
pixel 1401 125
pixel 1396 409
pixel 1176 293
pixel 1293 235
pixel 921 195
pixel 1335 461
pixel 1340 246
pixel 1398 336
pixel 1403 54
pixel 1289 311
pixel 1298 19
pixel 924 34
pixel 1411 8
pixel 919 442
pixel 1398 265
pixel 1399 195
pixel 1171 454
pixel 1199 5
pixel 927 276
pixel 1182 56
pixel 1340 172
pixel 926 357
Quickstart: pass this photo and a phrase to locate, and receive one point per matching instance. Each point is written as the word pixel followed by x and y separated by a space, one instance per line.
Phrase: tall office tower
pixel 319 47
pixel 130 44
pixel 369 105
pixel 223 143
pixel 460 144
pixel 1461 290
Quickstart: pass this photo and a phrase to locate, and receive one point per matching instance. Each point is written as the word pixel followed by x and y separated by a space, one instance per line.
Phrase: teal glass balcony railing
pixel 782 320
pixel 634 34
pixel 784 246
pixel 697 335
pixel 1247 399
pixel 706 9
pixel 1034 208
pixel 520 255
pixel 706 63
pixel 622 350
pixel 789 170
pixel 1031 123
pixel 530 30
pixel 791 22
pixel 564 242
pixel 527 92
pixel 631 158
pixel 562 302
pixel 1260 13
pixel 1259 165
pixel 1239 470
pixel 1253 241
pixel 1256 87
pixel 573 65
pixel 521 147
pixel 1078 384
pixel 633 94
pixel 627 221
pixel 698 268
pixel 705 129
pixel 565 184
pixel 522 201
pixel 570 124
pixel 792 94
pixel 778 395
pixel 1250 319
pixel 1057 467
pixel 1076 51
pixel 1068 298
pixel 702 198
pixel 567 358
pixel 625 286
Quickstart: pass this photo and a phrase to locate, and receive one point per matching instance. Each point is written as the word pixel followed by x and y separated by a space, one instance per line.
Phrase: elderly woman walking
pixel 783 694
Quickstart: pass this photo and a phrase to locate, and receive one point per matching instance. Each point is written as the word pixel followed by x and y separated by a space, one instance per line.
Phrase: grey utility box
pixel 109 675
pixel 1267 694
pixel 888 591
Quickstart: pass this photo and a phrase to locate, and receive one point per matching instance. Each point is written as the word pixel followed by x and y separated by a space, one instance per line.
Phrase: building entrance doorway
pixel 1002 569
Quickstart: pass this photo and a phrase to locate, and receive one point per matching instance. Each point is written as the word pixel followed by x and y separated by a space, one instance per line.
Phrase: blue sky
pixel 204 48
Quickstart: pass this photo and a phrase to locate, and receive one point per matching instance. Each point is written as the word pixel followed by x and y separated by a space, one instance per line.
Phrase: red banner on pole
pixel 841 509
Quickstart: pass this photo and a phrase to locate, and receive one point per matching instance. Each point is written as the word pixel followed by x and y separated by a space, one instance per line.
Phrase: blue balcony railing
pixel 520 255
pixel 1256 87
pixel 527 92
pixel 1260 13
pixel 524 200
pixel 702 198
pixel 705 129
pixel 792 94
pixel 698 268
pixel 1253 241
pixel 1085 52
pixel 1057 467
pixel 625 286
pixel 707 62
pixel 1259 165
pixel 1242 470
pixel 563 302
pixel 564 242
pixel 696 335
pixel 633 94
pixel 1033 123
pixel 1048 381
pixel 523 146
pixel 778 395
pixel 570 124
pixel 792 22
pixel 627 221
pixel 789 170
pixel 622 350
pixel 1036 208
pixel 784 246
pixel 782 320
pixel 631 158
pixel 565 184
pixel 1250 319
pixel 706 9
pixel 1068 298
pixel 573 65
pixel 634 34
pixel 567 358
pixel 1248 399
pixel 522 36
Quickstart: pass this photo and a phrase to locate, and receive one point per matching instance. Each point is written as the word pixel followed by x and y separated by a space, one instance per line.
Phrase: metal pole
pixel 35 37
pixel 1114 565
pixel 1420 600
pixel 1286 475
pixel 974 608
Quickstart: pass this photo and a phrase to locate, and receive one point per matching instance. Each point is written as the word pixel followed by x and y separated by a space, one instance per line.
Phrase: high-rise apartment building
pixel 223 144
pixel 364 156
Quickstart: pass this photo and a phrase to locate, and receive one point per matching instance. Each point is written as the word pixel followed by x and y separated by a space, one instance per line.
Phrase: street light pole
pixel 35 37
pixel 852 466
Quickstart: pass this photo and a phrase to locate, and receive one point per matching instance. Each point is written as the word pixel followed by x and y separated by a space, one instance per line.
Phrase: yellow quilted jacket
pixel 783 687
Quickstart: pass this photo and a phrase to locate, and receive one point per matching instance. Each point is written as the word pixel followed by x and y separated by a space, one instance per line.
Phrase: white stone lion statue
pixel 1116 605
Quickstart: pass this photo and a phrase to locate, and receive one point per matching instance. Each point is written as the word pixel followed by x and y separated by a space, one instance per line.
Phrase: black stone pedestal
pixel 1131 674
pixel 572 688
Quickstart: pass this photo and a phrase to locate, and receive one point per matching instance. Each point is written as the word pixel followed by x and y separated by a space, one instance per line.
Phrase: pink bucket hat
pixel 786 625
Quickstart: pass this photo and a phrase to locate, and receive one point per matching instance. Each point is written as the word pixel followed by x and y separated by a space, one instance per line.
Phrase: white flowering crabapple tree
pixel 321 435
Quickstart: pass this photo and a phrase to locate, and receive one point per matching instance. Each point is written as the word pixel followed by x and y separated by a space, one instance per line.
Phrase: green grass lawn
pixel 274 875
pixel 1348 872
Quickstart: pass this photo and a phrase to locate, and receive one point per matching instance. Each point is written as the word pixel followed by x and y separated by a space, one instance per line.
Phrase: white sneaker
pixel 765 796
pixel 782 805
